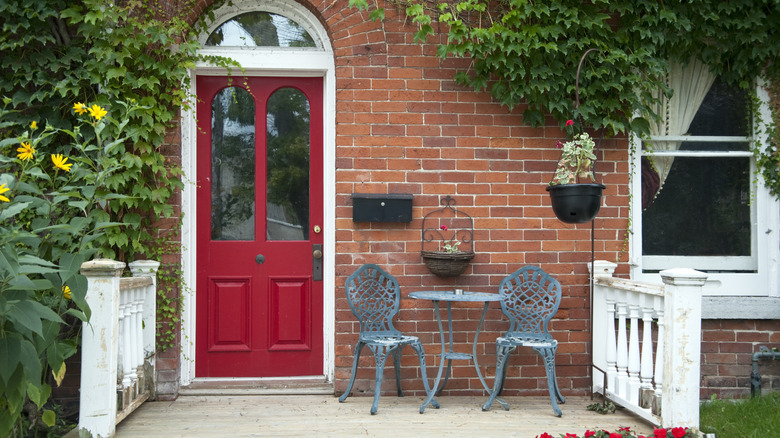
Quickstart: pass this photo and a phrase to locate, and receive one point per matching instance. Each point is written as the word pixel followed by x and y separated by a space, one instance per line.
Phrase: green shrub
pixel 52 216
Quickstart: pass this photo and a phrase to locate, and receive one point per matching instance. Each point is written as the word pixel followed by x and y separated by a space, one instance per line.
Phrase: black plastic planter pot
pixel 576 203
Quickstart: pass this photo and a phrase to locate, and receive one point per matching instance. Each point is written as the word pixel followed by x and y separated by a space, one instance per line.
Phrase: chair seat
pixel 526 341
pixel 389 340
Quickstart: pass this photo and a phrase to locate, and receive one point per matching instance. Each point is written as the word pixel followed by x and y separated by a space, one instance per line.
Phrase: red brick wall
pixel 404 126
pixel 726 356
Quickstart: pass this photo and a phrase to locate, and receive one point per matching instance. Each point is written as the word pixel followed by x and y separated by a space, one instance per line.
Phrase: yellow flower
pixel 26 151
pixel 80 108
pixel 4 189
pixel 61 162
pixel 66 292
pixel 33 125
pixel 97 112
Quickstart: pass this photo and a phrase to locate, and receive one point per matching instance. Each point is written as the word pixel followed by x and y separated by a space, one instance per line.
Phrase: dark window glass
pixel 702 210
pixel 288 165
pixel 703 207
pixel 233 165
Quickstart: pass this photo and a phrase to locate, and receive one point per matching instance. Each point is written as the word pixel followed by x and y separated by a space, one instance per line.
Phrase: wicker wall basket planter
pixel 447 264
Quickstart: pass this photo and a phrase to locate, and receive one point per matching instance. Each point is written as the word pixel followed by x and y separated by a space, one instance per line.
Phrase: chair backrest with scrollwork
pixel 530 298
pixel 374 297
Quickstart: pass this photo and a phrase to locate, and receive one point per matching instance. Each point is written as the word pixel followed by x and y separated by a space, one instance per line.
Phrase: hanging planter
pixel 574 202
pixel 447 240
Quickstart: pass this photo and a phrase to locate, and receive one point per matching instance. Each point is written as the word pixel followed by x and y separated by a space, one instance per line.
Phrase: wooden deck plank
pixel 324 416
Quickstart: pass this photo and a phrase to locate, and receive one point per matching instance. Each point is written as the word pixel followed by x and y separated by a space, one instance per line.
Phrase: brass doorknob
pixel 317 254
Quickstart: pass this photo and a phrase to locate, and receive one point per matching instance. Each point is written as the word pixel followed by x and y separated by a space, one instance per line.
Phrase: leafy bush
pixel 52 216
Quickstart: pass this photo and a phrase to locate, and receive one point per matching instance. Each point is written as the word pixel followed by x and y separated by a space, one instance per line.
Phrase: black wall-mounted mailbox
pixel 373 207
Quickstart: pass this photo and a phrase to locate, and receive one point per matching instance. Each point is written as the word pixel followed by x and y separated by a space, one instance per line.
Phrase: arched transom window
pixel 260 29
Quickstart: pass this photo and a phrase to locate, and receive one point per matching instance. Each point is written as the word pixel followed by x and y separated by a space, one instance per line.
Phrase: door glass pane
pixel 233 165
pixel 288 165
pixel 260 29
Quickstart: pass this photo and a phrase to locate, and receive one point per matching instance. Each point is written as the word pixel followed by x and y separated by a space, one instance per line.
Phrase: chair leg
pixel 397 366
pixel 548 354
pixel 380 356
pixel 358 347
pixel 502 358
pixel 558 394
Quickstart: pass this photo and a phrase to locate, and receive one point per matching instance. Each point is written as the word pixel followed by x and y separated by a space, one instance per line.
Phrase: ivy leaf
pixel 640 125
pixel 377 14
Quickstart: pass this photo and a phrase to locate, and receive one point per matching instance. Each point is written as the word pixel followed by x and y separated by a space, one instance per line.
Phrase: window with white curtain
pixel 697 199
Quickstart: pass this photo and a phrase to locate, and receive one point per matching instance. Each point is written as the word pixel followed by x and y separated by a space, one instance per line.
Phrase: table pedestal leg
pixel 441 361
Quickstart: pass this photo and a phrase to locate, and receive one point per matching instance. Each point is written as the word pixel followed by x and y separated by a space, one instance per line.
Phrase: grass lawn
pixel 751 418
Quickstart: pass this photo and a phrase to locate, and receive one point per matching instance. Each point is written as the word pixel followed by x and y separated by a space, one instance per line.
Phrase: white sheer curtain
pixel 690 84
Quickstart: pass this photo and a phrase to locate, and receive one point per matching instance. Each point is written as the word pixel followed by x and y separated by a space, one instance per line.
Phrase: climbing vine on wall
pixel 526 53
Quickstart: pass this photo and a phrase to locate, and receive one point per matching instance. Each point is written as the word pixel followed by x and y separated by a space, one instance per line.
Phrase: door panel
pixel 231 301
pixel 259 308
pixel 289 314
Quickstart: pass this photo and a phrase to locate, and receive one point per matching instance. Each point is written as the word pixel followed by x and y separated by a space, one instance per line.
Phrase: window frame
pixel 765 217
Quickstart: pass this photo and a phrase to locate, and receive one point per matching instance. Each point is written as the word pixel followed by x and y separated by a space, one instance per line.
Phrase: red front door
pixel 259 243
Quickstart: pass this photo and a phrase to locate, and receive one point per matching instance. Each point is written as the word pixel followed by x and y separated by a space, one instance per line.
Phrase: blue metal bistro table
pixel 446 343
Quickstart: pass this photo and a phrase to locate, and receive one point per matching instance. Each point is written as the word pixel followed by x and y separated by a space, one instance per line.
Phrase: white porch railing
pixel 657 378
pixel 117 345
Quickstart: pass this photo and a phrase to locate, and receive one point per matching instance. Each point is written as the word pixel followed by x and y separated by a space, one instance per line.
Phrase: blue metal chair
pixel 374 297
pixel 529 298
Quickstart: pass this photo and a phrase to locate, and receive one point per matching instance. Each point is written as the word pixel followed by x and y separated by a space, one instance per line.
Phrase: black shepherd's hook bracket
pixel 577 103
pixel 577 78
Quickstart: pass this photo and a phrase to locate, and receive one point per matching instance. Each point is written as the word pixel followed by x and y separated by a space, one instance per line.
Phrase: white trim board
pixel 264 61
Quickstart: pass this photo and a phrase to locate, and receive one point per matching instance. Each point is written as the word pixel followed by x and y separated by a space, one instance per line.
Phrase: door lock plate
pixel 316 262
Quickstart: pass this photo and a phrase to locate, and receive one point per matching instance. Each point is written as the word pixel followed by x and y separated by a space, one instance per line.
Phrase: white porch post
pixel 100 344
pixel 682 347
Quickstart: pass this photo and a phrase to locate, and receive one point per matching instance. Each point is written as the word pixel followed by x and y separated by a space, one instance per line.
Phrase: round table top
pixel 448 295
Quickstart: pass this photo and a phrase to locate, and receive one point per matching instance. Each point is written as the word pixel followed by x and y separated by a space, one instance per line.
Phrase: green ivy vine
pixel 526 54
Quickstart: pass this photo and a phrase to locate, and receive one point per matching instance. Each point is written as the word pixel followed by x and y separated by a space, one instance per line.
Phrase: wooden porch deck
pixel 324 416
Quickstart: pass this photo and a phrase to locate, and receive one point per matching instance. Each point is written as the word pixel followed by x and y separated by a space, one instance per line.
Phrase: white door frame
pixel 262 61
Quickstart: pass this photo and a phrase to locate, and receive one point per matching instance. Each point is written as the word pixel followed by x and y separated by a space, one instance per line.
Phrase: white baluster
pixel 134 338
pixel 120 323
pixel 126 342
pixel 633 356
pixel 622 351
pixel 139 335
pixel 659 356
pixel 611 354
pixel 646 371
